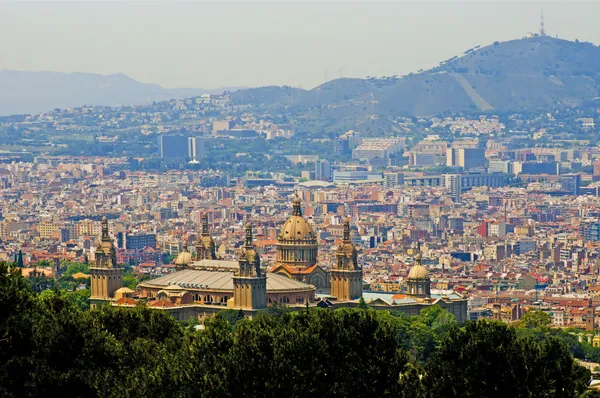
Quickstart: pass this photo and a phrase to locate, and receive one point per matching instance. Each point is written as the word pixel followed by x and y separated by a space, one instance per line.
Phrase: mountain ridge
pixel 521 74
pixel 24 92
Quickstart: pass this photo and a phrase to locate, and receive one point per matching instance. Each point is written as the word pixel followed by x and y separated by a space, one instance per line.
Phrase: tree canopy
pixel 49 345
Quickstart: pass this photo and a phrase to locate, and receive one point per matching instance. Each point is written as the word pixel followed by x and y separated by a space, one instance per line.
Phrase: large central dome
pixel 296 227
pixel 297 250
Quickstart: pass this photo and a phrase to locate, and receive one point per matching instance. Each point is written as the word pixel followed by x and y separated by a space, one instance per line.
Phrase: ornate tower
pixel 249 283
pixel 590 320
pixel 205 246
pixel 418 282
pixel 346 275
pixel 106 274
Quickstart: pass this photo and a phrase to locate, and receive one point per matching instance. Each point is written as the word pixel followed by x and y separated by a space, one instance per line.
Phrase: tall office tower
pixel 322 170
pixel 452 157
pixel 454 184
pixel 467 158
pixel 392 179
pixel 596 175
pixel 196 148
pixel 346 142
pixel 173 146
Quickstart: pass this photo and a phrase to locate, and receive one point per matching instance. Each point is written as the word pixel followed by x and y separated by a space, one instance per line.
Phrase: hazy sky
pixel 210 44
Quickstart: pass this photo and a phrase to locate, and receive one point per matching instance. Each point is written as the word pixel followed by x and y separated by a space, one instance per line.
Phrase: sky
pixel 231 44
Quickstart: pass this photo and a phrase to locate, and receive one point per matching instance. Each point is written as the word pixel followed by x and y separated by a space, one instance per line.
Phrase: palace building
pixel 208 285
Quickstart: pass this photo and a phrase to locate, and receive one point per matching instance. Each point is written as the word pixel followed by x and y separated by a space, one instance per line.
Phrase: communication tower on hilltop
pixel 542 30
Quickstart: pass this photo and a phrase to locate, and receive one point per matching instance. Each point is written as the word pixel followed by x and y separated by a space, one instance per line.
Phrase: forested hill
pixel 524 74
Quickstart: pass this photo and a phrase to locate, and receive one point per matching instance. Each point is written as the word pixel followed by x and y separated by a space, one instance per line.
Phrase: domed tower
pixel 184 258
pixel 418 283
pixel 106 274
pixel 297 250
pixel 205 246
pixel 249 282
pixel 346 275
pixel 297 245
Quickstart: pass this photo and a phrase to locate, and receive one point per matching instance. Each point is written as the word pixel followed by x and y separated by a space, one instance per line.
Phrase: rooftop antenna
pixel 542 30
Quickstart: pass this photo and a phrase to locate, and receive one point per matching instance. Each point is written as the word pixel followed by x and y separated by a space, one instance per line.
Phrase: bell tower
pixel 346 275
pixel 249 282
pixel 106 274
pixel 205 246
pixel 590 320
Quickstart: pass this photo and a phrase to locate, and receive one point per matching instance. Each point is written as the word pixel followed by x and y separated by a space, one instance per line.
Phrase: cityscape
pixel 340 239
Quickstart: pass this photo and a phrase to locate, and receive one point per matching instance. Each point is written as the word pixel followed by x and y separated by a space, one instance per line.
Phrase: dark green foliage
pixel 534 320
pixel 231 316
pixel 73 268
pixel 488 359
pixel 50 346
pixel 20 263
pixel 39 283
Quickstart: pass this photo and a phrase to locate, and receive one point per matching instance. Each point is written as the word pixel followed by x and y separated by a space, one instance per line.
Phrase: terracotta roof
pixel 162 304
pixel 126 301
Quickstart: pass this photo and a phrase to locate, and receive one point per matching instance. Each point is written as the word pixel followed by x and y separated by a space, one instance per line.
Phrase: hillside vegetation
pixel 524 74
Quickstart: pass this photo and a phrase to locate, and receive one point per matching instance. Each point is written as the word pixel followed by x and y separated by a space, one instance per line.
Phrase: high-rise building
pixel 500 166
pixel 173 146
pixel 140 241
pixel 536 168
pixel 454 184
pixel 196 148
pixel 590 231
pixel 219 125
pixel 596 175
pixel 392 179
pixel 322 170
pixel 346 142
pixel 467 158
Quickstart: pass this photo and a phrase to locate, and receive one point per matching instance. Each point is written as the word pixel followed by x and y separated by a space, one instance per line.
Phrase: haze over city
pixel 197 200
pixel 225 44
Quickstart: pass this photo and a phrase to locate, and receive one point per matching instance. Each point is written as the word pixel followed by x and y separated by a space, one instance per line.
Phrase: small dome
pixel 418 272
pixel 184 258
